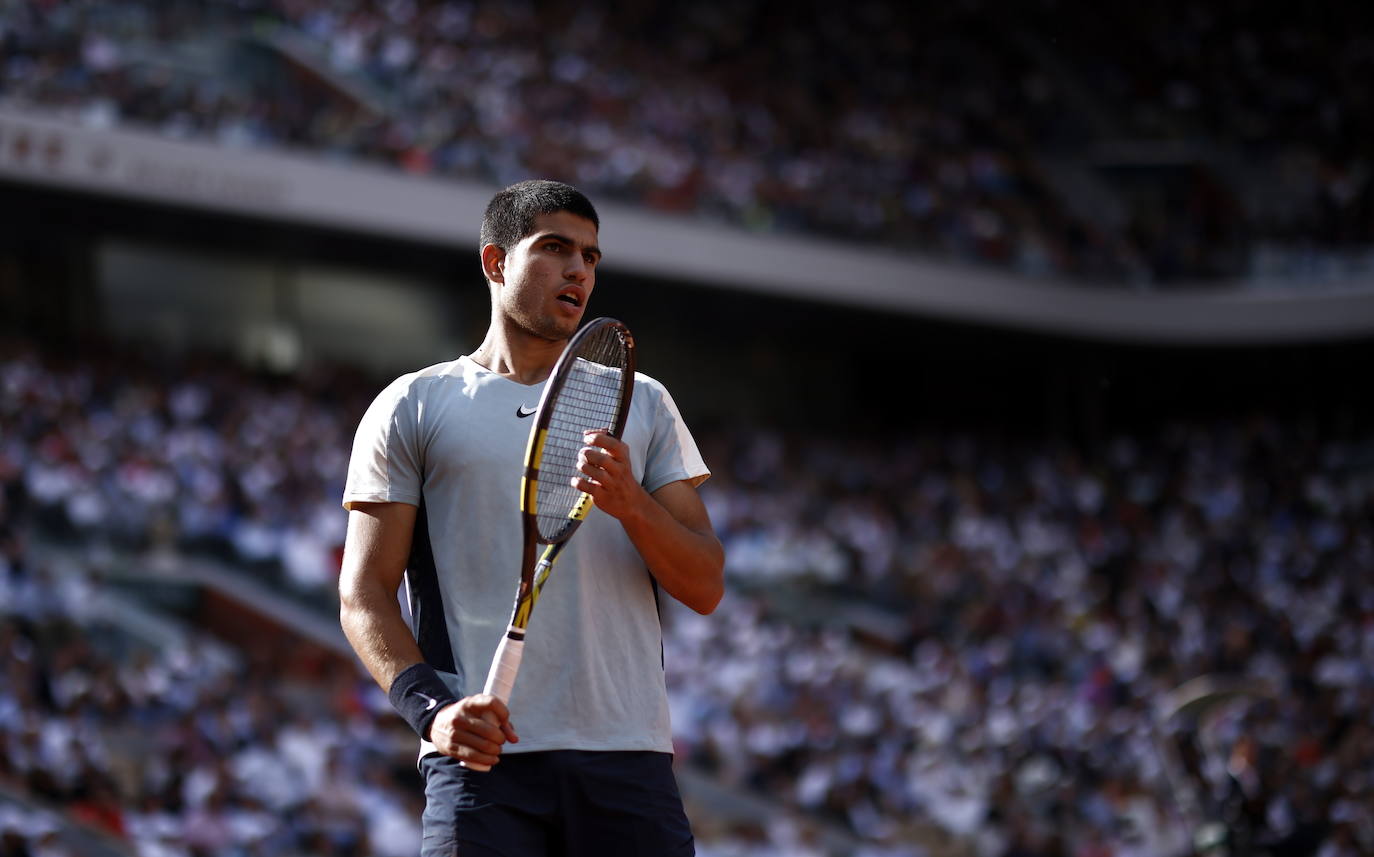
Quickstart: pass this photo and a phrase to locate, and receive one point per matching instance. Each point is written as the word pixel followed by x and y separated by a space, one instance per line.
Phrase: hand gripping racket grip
pixel 501 678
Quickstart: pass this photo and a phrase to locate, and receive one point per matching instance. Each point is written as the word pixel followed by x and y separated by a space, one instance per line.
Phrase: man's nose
pixel 577 269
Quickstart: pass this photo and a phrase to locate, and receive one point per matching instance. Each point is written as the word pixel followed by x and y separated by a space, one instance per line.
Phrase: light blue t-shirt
pixel 450 440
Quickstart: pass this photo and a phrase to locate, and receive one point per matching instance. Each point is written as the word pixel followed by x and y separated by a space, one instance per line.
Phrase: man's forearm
pixel 378 633
pixel 374 560
pixel 687 563
pixel 670 527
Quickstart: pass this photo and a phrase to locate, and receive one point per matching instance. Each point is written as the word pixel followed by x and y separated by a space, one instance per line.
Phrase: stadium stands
pixel 1046 599
pixel 1053 597
pixel 959 131
pixel 134 749
pixel 938 642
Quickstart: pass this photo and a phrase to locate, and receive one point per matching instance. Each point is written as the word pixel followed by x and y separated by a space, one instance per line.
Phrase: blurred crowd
pixel 871 121
pixel 201 456
pixel 1054 596
pixel 170 752
pixel 1038 601
pixel 1280 101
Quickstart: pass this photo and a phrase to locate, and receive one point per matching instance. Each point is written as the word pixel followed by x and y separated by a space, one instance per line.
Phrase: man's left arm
pixel 670 527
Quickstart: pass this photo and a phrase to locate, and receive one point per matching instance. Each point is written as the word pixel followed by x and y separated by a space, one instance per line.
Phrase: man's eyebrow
pixel 563 239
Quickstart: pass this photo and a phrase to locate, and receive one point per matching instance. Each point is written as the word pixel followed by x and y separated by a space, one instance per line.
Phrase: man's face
pixel 544 282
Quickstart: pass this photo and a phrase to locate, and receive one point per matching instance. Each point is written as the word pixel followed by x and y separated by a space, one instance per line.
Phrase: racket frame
pixel 535 565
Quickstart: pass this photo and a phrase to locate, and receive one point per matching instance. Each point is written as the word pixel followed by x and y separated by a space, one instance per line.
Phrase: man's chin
pixel 553 330
pixel 564 328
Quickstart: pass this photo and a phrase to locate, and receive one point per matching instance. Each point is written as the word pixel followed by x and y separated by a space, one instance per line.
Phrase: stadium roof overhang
pixel 47 149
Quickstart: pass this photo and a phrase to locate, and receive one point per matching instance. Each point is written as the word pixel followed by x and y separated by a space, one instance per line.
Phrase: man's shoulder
pixel 422 380
pixel 648 385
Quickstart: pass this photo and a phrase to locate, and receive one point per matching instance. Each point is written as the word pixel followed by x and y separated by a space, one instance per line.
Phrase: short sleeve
pixel 386 464
pixel 672 455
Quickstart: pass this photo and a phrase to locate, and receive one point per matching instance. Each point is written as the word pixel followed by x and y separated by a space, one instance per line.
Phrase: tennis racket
pixel 589 388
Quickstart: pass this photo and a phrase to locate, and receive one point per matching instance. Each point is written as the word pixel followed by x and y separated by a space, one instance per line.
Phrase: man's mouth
pixel 570 297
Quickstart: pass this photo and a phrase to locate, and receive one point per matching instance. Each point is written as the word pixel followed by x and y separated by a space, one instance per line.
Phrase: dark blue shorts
pixel 561 803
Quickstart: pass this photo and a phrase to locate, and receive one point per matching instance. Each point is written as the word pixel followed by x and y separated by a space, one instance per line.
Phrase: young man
pixel 581 759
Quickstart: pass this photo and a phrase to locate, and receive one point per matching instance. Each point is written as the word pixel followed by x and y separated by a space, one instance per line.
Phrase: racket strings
pixel 589 399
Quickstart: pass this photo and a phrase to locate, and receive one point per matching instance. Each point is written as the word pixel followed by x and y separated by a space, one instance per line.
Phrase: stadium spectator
pixel 1051 597
pixel 920 130
pixel 177 759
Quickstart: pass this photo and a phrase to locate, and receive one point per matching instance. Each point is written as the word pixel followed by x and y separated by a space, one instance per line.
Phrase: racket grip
pixel 501 678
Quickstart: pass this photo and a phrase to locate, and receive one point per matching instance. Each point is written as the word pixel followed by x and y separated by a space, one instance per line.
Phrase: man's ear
pixel 494 263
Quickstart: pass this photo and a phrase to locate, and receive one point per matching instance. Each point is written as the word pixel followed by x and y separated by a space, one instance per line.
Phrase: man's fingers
pixel 495 713
pixel 489 722
pixel 469 745
pixel 474 729
pixel 602 440
pixel 491 708
pixel 590 457
pixel 470 758
pixel 482 736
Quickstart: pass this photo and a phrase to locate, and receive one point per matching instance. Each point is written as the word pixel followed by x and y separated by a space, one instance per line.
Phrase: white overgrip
pixel 504 667
pixel 501 678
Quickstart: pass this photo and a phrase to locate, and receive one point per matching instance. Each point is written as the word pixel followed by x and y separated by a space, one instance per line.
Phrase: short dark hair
pixel 510 214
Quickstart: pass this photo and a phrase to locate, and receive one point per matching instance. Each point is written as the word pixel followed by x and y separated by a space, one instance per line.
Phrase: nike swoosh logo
pixel 523 411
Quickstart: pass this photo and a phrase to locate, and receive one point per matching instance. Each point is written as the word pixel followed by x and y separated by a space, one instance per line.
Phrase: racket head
pixel 589 388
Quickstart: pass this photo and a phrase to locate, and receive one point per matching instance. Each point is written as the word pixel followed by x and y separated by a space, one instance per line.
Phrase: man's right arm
pixel 374 561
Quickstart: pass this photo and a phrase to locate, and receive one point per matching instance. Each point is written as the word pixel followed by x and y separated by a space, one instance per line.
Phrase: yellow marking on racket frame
pixel 584 505
pixel 529 484
pixel 541 568
pixel 545 565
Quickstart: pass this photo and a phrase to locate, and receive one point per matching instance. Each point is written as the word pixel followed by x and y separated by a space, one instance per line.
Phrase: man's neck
pixel 522 358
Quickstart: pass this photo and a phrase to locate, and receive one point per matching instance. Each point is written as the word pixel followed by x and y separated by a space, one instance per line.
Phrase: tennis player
pixel 581 759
